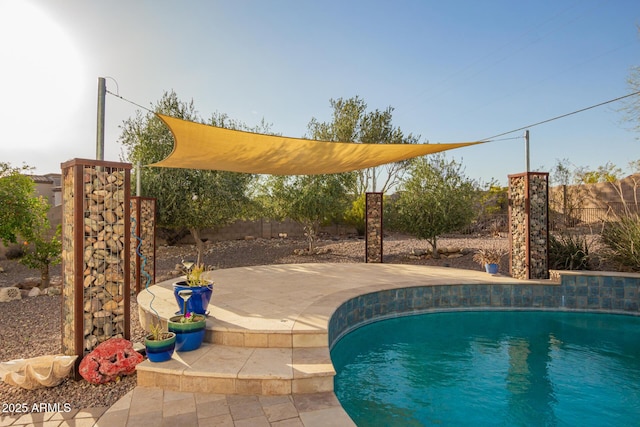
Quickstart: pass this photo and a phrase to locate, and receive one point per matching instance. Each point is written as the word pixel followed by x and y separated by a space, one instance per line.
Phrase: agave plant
pixel 489 256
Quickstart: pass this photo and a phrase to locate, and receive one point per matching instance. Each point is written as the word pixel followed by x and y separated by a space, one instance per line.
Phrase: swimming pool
pixel 492 368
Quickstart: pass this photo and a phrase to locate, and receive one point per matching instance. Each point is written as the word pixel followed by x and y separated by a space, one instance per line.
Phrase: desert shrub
pixel 622 239
pixel 355 215
pixel 568 251
pixel 14 252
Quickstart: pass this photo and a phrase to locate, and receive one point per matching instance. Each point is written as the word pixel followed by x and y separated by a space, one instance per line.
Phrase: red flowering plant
pixel 190 317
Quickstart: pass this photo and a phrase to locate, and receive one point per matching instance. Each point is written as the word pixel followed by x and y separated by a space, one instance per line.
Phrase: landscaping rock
pixel 108 361
pixel 28 283
pixel 52 290
pixel 10 293
pixel 34 292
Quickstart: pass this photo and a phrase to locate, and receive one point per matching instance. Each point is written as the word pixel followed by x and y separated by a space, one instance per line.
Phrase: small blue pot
pixel 200 297
pixel 189 336
pixel 160 351
pixel 491 268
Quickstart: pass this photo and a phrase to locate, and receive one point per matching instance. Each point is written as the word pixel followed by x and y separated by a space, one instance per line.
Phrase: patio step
pixel 225 327
pixel 224 369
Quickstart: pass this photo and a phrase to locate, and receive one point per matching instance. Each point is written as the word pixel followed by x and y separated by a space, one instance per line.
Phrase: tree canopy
pixel 18 205
pixel 310 200
pixel 436 198
pixel 351 122
pixel 24 215
pixel 186 198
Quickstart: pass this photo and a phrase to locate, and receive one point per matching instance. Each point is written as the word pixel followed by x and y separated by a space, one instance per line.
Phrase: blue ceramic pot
pixel 200 297
pixel 162 350
pixel 491 268
pixel 189 335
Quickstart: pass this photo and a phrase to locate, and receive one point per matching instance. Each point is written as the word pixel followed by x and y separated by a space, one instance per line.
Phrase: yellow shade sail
pixel 199 146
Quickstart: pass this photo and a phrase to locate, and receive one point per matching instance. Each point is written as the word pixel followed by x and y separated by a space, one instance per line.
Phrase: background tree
pixel 24 216
pixel 491 208
pixel 632 105
pixel 310 200
pixel 351 122
pixel 17 202
pixel 437 198
pixel 607 173
pixel 42 244
pixel 186 198
pixel 569 196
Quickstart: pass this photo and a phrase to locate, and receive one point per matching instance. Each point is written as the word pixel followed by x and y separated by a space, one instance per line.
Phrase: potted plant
pixel 200 287
pixel 489 258
pixel 159 344
pixel 189 327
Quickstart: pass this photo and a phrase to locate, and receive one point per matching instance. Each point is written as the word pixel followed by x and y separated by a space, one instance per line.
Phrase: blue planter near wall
pixel 198 303
pixel 491 268
pixel 189 335
pixel 160 350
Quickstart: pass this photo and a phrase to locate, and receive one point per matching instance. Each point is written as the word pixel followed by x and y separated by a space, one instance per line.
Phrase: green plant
pixel 436 199
pixel 157 332
pixel 489 256
pixel 355 215
pixel 191 317
pixel 622 239
pixel 194 276
pixel 43 251
pixel 187 199
pixel 568 251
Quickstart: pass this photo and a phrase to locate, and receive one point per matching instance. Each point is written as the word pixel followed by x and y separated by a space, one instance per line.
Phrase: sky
pixel 453 71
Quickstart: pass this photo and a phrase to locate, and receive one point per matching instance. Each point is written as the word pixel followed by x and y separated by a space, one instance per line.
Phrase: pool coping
pixel 298 312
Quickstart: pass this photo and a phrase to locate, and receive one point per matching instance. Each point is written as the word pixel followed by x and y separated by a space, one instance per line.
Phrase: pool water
pixel 492 368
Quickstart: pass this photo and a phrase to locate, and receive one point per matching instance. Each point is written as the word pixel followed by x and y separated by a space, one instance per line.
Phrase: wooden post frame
pixel 373 227
pixel 143 242
pixel 95 254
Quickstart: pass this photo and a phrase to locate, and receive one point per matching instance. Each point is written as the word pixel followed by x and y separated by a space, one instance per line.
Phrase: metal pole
pixel 102 91
pixel 373 181
pixel 526 148
pixel 138 180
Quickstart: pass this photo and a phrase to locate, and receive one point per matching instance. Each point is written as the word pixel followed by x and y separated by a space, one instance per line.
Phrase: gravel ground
pixel 31 327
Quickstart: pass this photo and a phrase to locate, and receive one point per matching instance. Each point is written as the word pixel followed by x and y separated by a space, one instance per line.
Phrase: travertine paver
pixel 301 303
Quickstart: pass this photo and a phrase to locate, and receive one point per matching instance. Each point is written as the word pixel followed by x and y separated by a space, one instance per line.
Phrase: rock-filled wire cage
pixel 96 229
pixel 373 227
pixel 529 225
pixel 143 242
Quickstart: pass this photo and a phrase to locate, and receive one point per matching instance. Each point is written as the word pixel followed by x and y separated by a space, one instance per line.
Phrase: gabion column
pixel 143 242
pixel 529 225
pixel 95 254
pixel 373 227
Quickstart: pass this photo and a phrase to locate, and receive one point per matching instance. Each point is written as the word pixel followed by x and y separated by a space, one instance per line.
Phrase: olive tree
pixel 187 199
pixel 435 199
pixel 310 200
pixel 351 122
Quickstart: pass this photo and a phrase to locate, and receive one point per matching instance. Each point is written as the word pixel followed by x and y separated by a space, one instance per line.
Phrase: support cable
pixel 561 116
